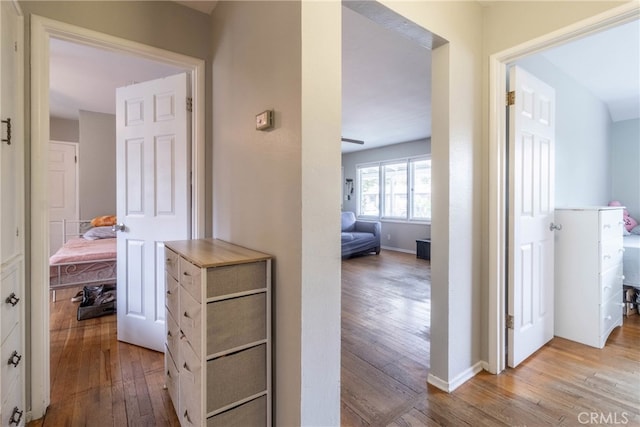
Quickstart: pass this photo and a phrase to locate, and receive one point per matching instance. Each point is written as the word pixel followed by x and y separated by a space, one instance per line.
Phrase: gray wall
pixel 395 235
pixel 97 164
pixel 278 191
pixel 63 129
pixel 625 165
pixel 583 175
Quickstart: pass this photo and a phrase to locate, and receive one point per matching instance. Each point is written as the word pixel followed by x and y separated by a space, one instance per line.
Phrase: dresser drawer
pixel 235 322
pixel 610 314
pixel 190 279
pixel 611 224
pixel 173 335
pixel 611 283
pixel 172 296
pixel 252 413
pixel 171 377
pixel 236 376
pixel 13 405
pixel 236 278
pixel 190 387
pixel 11 301
pixel 191 320
pixel 172 263
pixel 8 372
pixel 611 253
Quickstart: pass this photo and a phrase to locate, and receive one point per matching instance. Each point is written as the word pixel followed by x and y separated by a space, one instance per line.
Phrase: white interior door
pixel 153 200
pixel 531 208
pixel 63 189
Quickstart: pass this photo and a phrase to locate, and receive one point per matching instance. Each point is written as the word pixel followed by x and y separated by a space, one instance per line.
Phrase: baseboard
pixel 457 381
pixel 406 251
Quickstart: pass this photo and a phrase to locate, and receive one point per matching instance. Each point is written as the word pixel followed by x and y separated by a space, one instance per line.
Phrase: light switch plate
pixel 264 120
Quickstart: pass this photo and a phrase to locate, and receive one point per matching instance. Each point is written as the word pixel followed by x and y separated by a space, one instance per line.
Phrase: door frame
pixel 498 170
pixel 42 29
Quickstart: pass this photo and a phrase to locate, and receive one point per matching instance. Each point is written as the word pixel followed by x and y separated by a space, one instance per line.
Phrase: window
pixel 395 190
pixel 369 179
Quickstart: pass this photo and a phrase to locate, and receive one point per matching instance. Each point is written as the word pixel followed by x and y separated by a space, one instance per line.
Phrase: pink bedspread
pixel 81 250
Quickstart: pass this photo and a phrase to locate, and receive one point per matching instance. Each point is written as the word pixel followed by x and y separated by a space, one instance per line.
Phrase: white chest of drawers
pixel 588 274
pixel 218 346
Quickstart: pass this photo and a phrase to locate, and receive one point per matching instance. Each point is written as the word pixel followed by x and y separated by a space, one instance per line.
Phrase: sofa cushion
pixel 347 237
pixel 348 221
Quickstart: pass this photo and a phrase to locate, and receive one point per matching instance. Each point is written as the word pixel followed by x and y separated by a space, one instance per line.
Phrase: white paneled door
pixel 153 200
pixel 63 190
pixel 531 207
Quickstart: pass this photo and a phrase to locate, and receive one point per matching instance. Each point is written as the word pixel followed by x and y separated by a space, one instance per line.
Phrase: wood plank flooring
pixel 385 362
pixel 99 381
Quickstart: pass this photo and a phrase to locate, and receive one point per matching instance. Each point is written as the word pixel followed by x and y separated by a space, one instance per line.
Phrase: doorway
pixel 42 31
pixel 498 171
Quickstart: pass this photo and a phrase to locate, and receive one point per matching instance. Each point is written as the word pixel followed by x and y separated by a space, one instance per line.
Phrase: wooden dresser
pixel 218 346
pixel 588 274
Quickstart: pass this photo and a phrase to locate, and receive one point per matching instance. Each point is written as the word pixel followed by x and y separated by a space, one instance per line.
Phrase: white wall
pixel 279 191
pixel 625 165
pixel 394 234
pixel 583 174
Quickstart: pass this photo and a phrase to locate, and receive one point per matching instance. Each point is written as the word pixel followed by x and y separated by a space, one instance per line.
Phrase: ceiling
pixel 386 90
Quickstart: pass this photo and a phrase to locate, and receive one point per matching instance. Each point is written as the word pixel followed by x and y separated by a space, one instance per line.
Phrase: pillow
pixel 96 233
pixel 101 221
pixel 629 223
pixel 636 230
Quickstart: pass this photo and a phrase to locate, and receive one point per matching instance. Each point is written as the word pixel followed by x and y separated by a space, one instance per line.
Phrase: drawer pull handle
pixel 12 299
pixel 608 317
pixel 186 273
pixel 186 415
pixel 607 257
pixel 185 366
pixel 182 335
pixel 14 359
pixel 186 315
pixel 169 373
pixel 13 419
pixel 622 277
pixel 169 334
pixel 168 292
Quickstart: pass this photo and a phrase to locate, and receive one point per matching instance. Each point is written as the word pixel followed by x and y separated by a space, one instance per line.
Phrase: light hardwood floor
pixel 385 362
pixel 98 381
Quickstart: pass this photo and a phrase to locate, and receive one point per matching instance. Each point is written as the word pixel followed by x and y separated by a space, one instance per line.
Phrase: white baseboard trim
pixel 457 381
pixel 406 251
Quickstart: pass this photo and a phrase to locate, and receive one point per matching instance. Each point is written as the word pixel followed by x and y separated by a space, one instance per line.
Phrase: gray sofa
pixel 359 237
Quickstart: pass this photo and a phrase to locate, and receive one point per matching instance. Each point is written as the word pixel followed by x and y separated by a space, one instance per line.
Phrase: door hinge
pixel 509 321
pixel 511 98
pixel 75 159
pixel 190 105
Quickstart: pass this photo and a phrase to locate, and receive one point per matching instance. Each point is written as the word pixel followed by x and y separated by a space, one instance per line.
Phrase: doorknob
pixel 118 227
pixel 553 226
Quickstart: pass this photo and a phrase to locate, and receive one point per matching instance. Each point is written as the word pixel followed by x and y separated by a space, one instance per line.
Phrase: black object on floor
pixel 97 301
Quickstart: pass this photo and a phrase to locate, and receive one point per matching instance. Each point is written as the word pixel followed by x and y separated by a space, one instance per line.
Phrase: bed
pixel 631 260
pixel 80 261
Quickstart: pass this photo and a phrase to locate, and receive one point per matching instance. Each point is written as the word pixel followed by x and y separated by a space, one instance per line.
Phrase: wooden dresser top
pixel 214 253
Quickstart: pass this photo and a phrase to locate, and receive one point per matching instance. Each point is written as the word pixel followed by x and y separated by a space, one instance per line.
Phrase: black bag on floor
pixel 97 301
